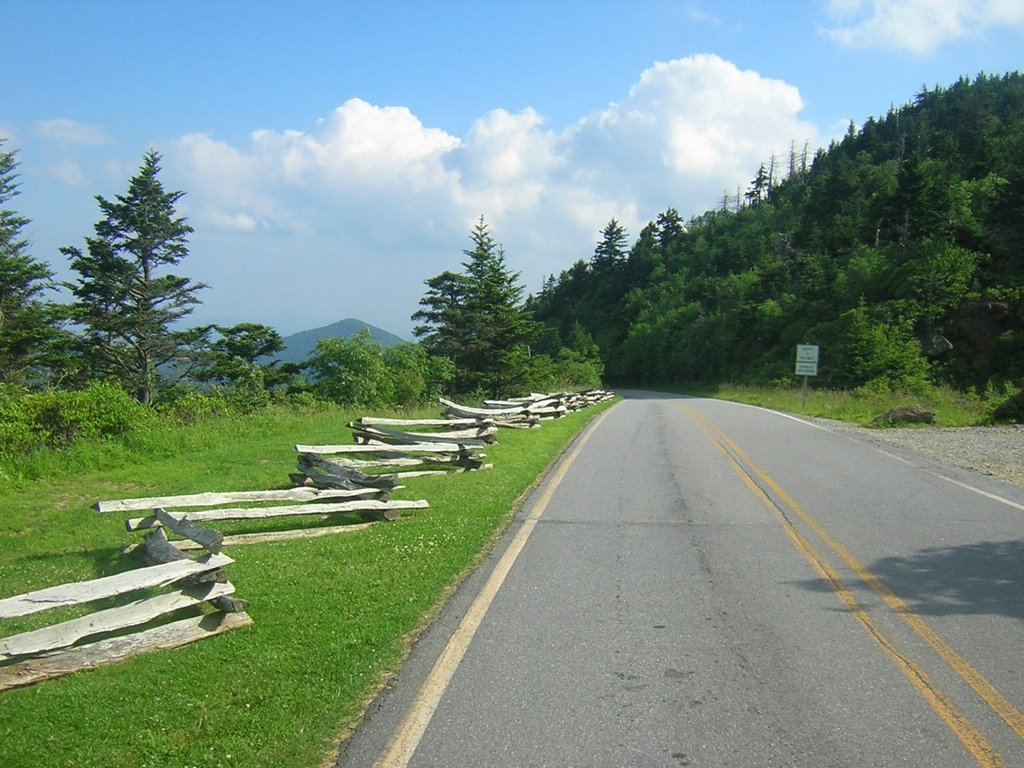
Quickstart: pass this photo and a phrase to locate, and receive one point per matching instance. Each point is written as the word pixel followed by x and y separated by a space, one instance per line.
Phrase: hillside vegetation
pixel 897 250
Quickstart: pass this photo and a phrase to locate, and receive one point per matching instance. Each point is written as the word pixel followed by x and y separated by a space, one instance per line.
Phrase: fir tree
pixel 27 323
pixel 125 304
pixel 477 319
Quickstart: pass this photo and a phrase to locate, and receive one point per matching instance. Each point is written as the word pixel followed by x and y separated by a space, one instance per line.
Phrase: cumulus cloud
pixel 917 26
pixel 688 129
pixel 64 131
pixel 368 195
pixel 358 143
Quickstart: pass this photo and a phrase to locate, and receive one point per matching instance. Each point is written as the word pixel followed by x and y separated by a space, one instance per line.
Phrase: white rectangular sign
pixel 807 360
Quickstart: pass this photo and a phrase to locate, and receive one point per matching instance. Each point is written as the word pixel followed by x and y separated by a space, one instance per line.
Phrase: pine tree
pixel 611 252
pixel 441 318
pixel 125 306
pixel 477 319
pixel 27 323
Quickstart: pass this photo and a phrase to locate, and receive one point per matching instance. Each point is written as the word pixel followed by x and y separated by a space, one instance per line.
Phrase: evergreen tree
pixel 611 252
pixel 477 319
pixel 27 323
pixel 903 231
pixel 442 318
pixel 124 305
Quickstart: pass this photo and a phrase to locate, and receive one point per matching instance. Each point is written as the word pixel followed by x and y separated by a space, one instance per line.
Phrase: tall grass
pixel 951 408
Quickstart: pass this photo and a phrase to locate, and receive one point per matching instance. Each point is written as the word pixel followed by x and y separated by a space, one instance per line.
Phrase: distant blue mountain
pixel 298 346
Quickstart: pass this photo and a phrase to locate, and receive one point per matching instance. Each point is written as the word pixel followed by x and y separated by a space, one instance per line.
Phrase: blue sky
pixel 334 155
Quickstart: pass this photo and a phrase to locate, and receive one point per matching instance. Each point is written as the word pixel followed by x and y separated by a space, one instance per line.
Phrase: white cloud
pixel 505 164
pixel 226 180
pixel 242 222
pixel 64 131
pixel 67 172
pixel 917 26
pixel 369 200
pixel 688 129
pixel 359 143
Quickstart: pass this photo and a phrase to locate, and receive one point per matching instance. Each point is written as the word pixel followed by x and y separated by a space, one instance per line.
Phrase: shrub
pixel 351 372
pixel 418 376
pixel 17 434
pixel 878 355
pixel 359 372
pixel 57 418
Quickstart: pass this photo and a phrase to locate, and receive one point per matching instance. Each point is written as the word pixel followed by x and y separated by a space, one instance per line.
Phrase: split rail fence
pixel 298 504
pixel 51 651
pixel 381 455
pixel 335 483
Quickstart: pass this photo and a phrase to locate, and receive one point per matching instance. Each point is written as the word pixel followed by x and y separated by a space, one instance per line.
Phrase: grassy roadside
pixel 951 409
pixel 332 615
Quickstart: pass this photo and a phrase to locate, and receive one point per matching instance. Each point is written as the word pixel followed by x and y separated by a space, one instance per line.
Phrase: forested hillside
pixel 897 250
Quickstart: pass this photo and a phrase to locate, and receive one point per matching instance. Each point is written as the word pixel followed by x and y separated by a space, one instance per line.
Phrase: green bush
pixel 417 376
pixel 351 372
pixel 359 372
pixel 302 401
pixel 877 355
pixel 56 419
pixel 16 428
pixel 249 391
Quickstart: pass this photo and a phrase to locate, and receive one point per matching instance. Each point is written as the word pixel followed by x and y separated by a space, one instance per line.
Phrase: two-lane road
pixel 709 584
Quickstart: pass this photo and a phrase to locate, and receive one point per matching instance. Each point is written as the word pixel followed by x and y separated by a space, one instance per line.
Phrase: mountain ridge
pixel 298 346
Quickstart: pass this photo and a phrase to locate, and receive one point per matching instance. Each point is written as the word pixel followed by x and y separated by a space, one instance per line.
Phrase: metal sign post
pixel 806 363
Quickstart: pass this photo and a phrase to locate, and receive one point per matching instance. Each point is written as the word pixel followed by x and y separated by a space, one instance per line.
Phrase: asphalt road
pixel 702 583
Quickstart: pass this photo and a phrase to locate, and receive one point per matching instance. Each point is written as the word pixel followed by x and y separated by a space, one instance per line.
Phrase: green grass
pixel 951 409
pixel 332 616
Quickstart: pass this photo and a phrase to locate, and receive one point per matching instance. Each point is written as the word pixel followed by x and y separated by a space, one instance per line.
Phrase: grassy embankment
pixel 951 409
pixel 332 615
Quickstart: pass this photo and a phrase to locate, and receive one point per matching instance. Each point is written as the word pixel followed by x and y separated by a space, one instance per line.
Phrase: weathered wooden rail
pixel 513 416
pixel 382 454
pixel 473 438
pixel 166 513
pixel 51 651
pixel 527 411
pixel 358 465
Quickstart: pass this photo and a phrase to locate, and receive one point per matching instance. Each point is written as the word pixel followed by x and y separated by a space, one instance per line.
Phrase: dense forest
pixel 897 250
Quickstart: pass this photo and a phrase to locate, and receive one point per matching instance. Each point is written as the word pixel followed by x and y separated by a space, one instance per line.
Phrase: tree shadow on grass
pixel 967 579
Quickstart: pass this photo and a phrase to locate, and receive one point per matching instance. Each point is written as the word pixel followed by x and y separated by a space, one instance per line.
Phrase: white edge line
pixel 772 411
pixel 978 491
pixel 965 486
pixel 403 745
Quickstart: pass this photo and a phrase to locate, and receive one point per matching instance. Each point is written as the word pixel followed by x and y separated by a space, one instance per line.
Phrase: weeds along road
pixel 702 583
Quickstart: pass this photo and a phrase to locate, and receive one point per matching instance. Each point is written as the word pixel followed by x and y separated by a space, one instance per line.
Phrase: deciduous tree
pixel 239 351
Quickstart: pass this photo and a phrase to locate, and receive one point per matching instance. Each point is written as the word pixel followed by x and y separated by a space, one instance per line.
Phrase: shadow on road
pixel 987 577
pixel 982 578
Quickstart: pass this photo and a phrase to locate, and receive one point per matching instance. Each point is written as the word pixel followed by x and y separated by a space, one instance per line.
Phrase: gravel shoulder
pixel 997 451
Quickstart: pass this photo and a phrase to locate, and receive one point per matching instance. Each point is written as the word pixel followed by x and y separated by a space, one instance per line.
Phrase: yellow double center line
pixel 964 730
